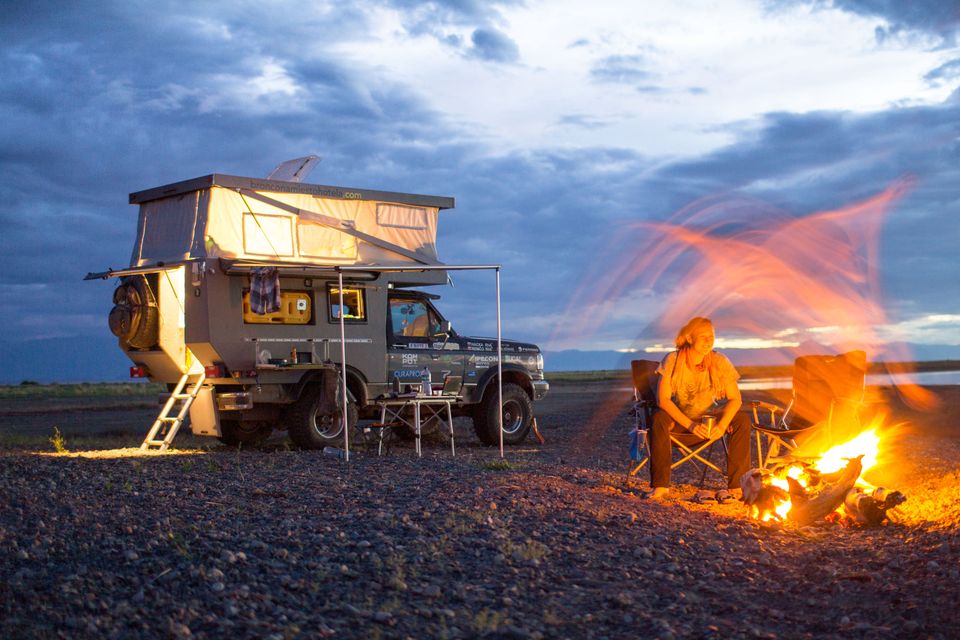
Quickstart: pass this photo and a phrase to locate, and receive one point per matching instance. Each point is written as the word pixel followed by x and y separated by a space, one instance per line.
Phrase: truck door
pixel 415 343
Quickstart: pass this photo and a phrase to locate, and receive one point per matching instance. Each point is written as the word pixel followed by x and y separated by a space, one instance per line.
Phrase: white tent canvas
pixel 277 225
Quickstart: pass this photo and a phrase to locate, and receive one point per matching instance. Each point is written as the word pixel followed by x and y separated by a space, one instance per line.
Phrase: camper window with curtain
pixel 354 304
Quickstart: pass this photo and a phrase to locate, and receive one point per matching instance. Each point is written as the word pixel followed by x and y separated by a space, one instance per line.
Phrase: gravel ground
pixel 277 543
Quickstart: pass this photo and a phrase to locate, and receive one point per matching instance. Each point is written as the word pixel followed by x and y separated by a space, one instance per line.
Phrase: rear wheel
pixel 517 416
pixel 235 433
pixel 311 428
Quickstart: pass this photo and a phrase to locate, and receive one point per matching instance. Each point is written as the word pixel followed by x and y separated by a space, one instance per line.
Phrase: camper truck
pixel 232 298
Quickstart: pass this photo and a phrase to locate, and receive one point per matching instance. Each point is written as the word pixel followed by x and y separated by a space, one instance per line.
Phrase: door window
pixel 412 319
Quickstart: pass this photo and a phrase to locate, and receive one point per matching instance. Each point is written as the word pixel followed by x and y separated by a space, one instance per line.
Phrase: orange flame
pixel 866 444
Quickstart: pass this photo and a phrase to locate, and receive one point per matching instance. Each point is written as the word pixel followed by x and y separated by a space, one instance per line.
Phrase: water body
pixel 926 378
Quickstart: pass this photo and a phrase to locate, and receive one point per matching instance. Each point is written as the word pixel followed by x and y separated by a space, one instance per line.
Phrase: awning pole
pixel 343 371
pixel 499 367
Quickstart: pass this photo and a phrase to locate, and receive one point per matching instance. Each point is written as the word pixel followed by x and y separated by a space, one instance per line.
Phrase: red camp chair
pixel 644 376
pixel 827 391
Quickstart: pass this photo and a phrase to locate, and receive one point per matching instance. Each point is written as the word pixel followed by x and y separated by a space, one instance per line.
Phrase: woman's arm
pixel 665 401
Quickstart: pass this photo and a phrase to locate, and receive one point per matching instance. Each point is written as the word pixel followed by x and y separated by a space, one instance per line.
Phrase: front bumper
pixel 540 389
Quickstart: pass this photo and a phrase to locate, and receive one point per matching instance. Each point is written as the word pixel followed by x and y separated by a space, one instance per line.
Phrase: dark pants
pixel 661 455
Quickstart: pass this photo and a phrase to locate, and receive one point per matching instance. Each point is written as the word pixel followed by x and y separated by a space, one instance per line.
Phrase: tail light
pixel 139 371
pixel 215 371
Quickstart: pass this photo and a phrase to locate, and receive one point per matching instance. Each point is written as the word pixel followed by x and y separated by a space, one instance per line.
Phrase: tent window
pixel 267 235
pixel 395 215
pixel 168 227
pixel 318 241
pixel 354 304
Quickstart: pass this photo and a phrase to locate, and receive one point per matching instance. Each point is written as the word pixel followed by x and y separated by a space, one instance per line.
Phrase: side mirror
pixel 445 328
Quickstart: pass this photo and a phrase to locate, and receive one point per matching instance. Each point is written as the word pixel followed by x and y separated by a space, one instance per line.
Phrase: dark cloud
pixel 442 19
pixel 494 46
pixel 460 12
pixel 582 121
pixel 946 73
pixel 940 18
pixel 621 69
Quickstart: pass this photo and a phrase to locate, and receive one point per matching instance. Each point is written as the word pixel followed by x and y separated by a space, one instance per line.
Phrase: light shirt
pixel 692 392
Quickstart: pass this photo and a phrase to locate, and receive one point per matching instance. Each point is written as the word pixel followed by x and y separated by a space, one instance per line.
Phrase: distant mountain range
pixel 97 359
pixel 574 360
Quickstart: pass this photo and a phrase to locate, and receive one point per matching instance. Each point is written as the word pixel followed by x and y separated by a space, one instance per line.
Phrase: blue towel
pixel 264 290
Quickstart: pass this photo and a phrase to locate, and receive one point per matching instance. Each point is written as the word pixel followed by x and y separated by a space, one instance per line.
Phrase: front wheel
pixel 517 416
pixel 310 427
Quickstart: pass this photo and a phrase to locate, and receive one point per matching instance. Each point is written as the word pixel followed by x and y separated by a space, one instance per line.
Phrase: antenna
pixel 294 170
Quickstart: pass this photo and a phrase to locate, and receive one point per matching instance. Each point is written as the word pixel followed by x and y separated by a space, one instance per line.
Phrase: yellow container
pixel 295 308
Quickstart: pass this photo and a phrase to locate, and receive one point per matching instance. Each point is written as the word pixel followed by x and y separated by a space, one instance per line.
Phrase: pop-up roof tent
pixel 251 219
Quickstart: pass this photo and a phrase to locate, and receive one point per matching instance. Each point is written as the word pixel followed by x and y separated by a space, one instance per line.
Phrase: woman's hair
pixel 684 341
pixel 684 337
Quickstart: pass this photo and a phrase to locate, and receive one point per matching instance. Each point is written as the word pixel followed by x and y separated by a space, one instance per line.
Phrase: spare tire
pixel 135 317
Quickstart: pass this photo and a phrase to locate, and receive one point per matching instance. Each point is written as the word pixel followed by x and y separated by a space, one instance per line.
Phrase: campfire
pixel 802 489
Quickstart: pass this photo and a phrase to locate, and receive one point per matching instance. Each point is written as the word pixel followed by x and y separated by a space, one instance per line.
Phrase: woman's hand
pixel 700 430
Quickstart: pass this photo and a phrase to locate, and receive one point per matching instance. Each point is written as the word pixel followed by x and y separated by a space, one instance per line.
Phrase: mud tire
pixel 517 416
pixel 308 430
pixel 235 433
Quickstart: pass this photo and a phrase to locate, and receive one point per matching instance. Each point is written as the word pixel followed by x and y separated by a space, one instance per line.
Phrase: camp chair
pixel 644 376
pixel 827 391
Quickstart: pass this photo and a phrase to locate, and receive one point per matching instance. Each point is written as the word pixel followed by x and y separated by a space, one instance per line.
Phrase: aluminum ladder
pixel 173 422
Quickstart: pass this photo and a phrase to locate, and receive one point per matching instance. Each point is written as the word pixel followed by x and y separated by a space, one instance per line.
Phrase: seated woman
pixel 693 380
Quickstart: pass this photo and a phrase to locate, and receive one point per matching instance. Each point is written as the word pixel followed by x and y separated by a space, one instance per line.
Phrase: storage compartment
pixel 296 307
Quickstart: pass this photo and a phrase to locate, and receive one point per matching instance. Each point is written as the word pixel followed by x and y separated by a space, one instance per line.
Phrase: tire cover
pixel 135 318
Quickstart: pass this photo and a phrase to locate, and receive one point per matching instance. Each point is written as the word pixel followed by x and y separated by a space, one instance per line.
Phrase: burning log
pixel 807 510
pixel 762 499
pixel 870 509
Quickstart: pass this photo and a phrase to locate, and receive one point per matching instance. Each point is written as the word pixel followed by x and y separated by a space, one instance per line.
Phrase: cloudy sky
pixel 556 125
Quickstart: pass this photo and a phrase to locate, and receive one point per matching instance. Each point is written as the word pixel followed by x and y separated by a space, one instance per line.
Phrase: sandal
pixel 724 496
pixel 704 495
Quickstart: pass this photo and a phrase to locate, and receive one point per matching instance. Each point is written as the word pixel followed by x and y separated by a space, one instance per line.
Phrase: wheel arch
pixel 511 373
pixel 356 385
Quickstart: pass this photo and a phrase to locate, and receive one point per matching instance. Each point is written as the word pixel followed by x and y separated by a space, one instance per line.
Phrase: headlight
pixel 540 362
